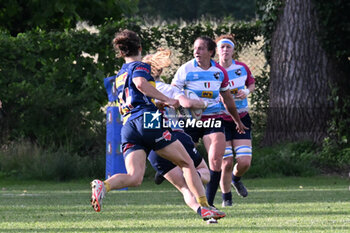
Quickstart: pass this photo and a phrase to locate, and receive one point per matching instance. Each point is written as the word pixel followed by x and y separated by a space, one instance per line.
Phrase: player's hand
pixel 205 103
pixel 173 103
pixel 240 127
pixel 160 105
pixel 242 94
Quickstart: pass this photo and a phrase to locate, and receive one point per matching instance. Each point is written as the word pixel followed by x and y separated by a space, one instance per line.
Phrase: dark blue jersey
pixel 132 102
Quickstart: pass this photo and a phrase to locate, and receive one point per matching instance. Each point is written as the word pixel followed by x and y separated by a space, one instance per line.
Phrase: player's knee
pixel 136 180
pixel 243 155
pixel 227 165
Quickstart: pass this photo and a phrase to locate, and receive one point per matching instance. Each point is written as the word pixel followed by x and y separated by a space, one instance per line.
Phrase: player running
pixel 136 93
pixel 210 82
pixel 164 168
pixel 242 83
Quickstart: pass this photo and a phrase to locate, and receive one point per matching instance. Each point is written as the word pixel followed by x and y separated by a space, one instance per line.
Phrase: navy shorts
pixel 231 132
pixel 135 137
pixel 163 166
pixel 197 133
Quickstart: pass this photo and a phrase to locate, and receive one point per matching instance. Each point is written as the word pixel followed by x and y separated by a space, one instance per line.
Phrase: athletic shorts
pixel 135 137
pixel 197 133
pixel 231 132
pixel 163 166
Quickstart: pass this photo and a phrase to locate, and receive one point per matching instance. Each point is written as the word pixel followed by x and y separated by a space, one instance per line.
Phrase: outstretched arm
pixel 147 89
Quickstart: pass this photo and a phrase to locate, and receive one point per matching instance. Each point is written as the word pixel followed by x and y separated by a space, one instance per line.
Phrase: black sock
pixel 227 196
pixel 235 179
pixel 199 211
pixel 212 186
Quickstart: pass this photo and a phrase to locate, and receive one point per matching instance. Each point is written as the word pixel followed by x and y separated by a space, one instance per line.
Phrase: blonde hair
pixel 158 61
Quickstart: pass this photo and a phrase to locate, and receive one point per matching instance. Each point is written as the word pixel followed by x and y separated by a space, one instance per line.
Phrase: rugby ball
pixel 196 113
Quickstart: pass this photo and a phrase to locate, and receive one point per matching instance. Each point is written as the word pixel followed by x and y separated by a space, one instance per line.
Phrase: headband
pixel 226 41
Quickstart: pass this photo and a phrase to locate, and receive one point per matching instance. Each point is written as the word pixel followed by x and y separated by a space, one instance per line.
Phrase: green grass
pixel 317 204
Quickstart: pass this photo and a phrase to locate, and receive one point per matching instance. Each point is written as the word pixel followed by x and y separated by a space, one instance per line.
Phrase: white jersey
pixel 172 92
pixel 207 84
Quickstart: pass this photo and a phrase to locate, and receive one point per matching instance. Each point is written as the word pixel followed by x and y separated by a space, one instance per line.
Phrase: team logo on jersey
pixel 165 136
pixel 217 75
pixel 207 94
pixel 207 84
pixel 238 72
pixel 234 91
pixel 151 120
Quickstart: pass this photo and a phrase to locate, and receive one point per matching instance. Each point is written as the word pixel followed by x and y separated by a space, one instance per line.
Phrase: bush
pixel 28 161
pixel 293 159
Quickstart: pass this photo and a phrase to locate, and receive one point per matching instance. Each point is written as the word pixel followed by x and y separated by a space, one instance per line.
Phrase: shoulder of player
pixel 220 68
pixel 242 64
pixel 141 66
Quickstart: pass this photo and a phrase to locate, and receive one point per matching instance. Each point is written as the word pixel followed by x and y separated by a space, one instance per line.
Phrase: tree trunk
pixel 301 74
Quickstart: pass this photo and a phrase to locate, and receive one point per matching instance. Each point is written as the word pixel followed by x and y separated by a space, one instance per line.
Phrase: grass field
pixel 317 204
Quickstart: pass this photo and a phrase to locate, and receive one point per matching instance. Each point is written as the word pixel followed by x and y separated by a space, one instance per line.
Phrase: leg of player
pixel 203 171
pixel 135 163
pixel 243 150
pixel 175 177
pixel 176 153
pixel 226 176
pixel 215 146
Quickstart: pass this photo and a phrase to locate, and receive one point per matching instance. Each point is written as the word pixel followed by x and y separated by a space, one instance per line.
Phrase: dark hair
pixel 211 45
pixel 127 43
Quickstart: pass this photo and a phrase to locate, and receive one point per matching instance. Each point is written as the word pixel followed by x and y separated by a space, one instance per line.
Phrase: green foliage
pixel 294 159
pixel 25 160
pixel 334 36
pixel 190 10
pixel 334 24
pixel 18 16
pixel 268 12
pixel 50 91
pixel 260 102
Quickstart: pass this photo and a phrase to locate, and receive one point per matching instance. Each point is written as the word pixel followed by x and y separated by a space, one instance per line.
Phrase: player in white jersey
pixel 242 83
pixel 164 168
pixel 210 82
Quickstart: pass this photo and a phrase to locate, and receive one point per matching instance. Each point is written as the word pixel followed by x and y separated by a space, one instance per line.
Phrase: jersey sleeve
pixel 142 70
pixel 179 79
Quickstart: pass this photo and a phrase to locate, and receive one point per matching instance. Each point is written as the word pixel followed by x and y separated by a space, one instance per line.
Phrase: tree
pixel 302 76
pixel 190 10
pixel 18 16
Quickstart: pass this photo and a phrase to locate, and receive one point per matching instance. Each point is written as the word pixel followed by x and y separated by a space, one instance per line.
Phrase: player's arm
pixel 147 89
pixel 230 105
pixel 191 103
pixel 242 94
